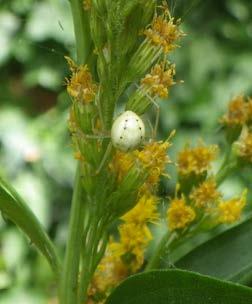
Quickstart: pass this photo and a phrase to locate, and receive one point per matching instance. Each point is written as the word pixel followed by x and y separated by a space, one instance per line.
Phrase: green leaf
pixel 14 208
pixel 227 256
pixel 178 287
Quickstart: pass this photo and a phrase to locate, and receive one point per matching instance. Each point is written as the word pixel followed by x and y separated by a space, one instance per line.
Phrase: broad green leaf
pixel 178 287
pixel 227 256
pixel 14 208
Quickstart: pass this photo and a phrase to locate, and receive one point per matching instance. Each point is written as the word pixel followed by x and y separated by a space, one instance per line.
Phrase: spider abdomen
pixel 128 131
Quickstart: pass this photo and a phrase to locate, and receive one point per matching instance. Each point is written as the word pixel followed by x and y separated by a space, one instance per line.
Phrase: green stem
pixel 81 30
pixel 229 164
pixel 224 172
pixel 69 284
pixel 91 257
pixel 167 239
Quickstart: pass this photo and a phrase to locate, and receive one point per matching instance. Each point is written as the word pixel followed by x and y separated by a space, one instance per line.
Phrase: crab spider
pixel 127 132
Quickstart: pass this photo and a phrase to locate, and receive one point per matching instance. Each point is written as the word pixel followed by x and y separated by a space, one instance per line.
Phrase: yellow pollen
pixel 230 211
pixel 159 80
pixel 179 215
pixel 144 211
pixel 245 145
pixel 121 163
pixel 237 112
pixel 205 195
pixel 154 159
pixel 80 85
pixel 196 160
pixel 164 32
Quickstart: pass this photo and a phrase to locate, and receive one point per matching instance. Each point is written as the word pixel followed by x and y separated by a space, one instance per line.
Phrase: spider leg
pixel 157 107
pixel 105 157
pixel 91 136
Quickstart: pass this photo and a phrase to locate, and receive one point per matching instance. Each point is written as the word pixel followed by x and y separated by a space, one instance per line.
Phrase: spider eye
pixel 127 131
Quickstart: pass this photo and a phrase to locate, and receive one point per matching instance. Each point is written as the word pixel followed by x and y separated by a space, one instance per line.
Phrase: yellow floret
pixel 160 79
pixel 164 32
pixel 230 211
pixel 206 194
pixel 80 85
pixel 196 160
pixel 179 215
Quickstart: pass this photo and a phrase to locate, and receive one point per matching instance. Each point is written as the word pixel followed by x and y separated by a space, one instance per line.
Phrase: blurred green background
pixel 215 62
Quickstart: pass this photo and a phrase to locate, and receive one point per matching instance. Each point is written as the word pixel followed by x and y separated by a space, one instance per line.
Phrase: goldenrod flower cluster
pixel 230 210
pixel 239 112
pixel 179 214
pixel 126 255
pixel 164 31
pixel 199 198
pixel 80 85
pixel 152 157
pixel 239 116
pixel 187 210
pixel 244 145
pixel 196 160
pixel 206 194
pixel 158 81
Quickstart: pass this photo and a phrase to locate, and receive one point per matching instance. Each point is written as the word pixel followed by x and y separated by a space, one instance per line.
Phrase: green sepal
pixel 138 102
pixel 125 197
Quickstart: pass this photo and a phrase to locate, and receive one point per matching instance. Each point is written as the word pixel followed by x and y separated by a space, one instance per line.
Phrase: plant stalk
pixel 81 31
pixel 167 239
pixel 69 283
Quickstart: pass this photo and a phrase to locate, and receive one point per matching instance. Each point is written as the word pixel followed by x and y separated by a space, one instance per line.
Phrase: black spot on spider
pixel 126 120
pixel 140 128
pixel 124 128
pixel 136 119
pixel 121 137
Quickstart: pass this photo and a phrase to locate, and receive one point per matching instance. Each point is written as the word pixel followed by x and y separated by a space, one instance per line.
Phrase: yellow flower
pixel 121 163
pixel 237 112
pixel 196 160
pixel 164 31
pixel 109 272
pixel 134 239
pixel 244 145
pixel 205 194
pixel 80 85
pixel 230 211
pixel 144 211
pixel 159 80
pixel 179 215
pixel 154 159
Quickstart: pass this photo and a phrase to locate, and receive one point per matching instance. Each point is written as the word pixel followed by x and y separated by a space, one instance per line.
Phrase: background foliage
pixel 215 62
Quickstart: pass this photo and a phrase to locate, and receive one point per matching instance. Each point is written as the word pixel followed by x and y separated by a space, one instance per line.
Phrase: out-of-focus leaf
pixel 178 287
pixel 45 76
pixel 227 256
pixel 33 190
pixel 60 26
pixel 21 296
pixel 13 207
pixel 8 25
